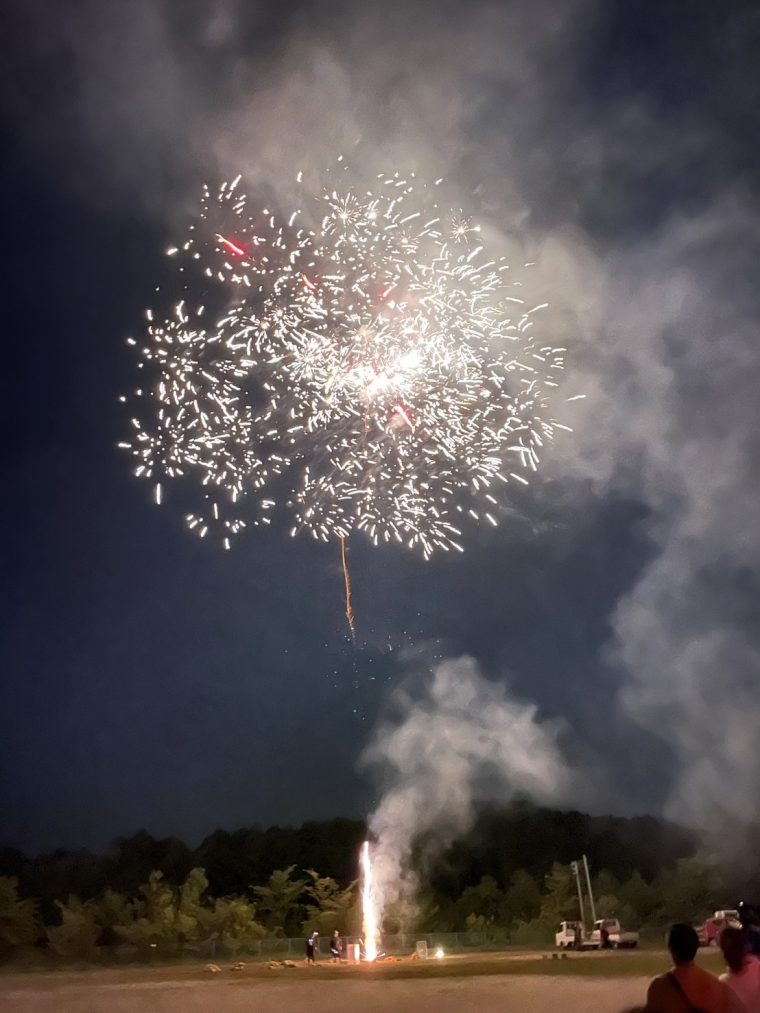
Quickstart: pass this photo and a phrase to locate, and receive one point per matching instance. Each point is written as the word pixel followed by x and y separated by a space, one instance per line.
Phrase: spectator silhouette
pixel 688 988
pixel 743 975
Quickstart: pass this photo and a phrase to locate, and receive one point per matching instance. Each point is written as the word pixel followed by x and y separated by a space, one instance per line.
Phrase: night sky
pixel 150 680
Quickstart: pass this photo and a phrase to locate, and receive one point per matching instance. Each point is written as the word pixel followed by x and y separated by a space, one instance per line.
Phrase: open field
pixel 528 982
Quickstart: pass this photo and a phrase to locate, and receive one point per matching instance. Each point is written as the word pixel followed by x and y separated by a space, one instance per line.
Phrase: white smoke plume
pixel 459 739
pixel 675 422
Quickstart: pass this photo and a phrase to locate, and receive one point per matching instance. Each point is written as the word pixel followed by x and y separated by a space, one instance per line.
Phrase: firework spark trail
pixel 364 359
pixel 347 580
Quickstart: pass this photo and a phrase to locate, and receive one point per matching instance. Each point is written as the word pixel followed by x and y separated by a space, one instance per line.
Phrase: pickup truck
pixel 710 929
pixel 608 932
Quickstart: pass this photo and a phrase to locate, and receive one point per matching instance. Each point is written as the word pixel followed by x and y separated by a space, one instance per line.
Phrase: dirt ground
pixel 472 988
pixel 523 993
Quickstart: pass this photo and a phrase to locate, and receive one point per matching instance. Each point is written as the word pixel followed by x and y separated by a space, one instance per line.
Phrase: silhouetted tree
pixel 279 901
pixel 688 891
pixel 76 936
pixel 640 897
pixel 560 901
pixel 133 859
pixel 168 917
pixel 484 901
pixel 230 923
pixel 328 906
pixel 522 901
pixel 19 925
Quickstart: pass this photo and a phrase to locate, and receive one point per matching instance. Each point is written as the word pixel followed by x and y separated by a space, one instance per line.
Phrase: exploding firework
pixel 363 360
pixel 370 926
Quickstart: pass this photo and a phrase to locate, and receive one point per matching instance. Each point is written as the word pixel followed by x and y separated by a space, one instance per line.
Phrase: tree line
pixel 508 880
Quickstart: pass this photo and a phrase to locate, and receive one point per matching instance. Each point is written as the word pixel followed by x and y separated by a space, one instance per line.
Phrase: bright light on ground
pixel 439 953
pixel 369 915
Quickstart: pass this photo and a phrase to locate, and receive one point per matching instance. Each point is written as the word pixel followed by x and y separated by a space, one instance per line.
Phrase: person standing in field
pixel 336 947
pixel 311 948
pixel 743 975
pixel 688 988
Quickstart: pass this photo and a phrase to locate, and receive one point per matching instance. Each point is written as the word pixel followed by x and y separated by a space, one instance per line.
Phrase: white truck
pixel 571 936
pixel 608 932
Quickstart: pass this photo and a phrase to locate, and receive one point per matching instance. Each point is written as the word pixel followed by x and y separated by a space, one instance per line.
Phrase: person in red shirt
pixel 688 988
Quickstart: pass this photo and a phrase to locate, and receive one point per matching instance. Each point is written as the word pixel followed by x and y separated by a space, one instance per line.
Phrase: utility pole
pixel 590 892
pixel 577 874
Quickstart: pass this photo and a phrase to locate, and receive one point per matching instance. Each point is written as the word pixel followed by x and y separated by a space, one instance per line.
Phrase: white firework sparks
pixel 370 917
pixel 367 350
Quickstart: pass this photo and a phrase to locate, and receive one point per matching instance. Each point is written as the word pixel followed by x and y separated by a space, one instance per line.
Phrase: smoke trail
pixel 681 372
pixel 462 738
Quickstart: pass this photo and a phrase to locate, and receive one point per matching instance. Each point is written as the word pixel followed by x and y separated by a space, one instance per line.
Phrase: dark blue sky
pixel 149 680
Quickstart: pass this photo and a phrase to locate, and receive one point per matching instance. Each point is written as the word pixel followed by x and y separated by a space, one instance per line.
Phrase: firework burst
pixel 363 360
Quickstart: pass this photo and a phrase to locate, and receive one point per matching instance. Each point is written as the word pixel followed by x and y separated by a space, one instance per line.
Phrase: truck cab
pixel 570 936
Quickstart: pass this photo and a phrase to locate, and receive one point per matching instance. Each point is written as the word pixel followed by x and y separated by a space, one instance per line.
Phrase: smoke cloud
pixel 633 184
pixel 683 356
pixel 452 740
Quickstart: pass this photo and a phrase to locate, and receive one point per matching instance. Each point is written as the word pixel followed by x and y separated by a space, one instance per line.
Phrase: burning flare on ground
pixel 369 912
